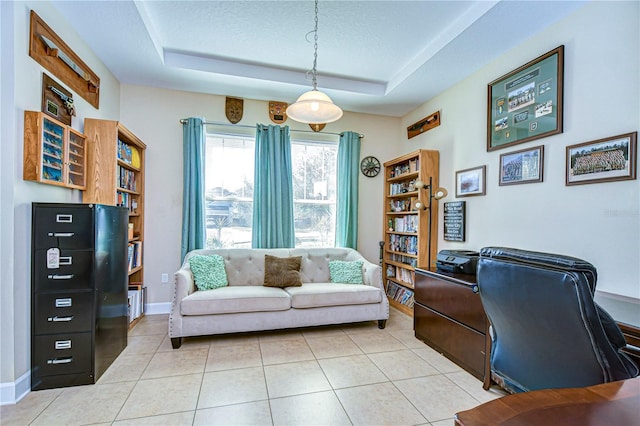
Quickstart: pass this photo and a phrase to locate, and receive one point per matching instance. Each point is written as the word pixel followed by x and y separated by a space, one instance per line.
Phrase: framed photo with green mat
pixel 526 104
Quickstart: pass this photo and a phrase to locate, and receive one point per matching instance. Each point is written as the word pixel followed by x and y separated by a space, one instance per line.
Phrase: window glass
pixel 229 191
pixel 229 172
pixel 314 189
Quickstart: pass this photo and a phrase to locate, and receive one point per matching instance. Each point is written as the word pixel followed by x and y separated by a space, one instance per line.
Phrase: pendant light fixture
pixel 314 107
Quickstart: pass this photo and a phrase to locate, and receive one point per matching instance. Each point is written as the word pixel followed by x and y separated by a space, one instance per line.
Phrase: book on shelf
pixel 126 178
pixel 403 244
pixel 407 223
pixel 136 298
pixel 124 152
pixel 134 255
pixel 402 187
pixel 400 294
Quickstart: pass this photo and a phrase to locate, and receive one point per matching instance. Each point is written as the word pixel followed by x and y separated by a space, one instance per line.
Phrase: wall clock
pixel 370 166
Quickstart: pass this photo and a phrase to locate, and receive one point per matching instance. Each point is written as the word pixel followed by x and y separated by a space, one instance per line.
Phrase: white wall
pixel 598 222
pixel 154 114
pixel 22 90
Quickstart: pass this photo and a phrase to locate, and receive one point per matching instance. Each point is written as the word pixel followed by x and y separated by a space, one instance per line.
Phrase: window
pixel 229 190
pixel 229 171
pixel 314 193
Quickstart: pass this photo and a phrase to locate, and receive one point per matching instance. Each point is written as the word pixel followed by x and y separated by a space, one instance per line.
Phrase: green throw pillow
pixel 346 272
pixel 208 271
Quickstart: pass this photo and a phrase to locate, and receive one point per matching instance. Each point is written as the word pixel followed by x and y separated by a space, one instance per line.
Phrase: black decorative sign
pixel 454 221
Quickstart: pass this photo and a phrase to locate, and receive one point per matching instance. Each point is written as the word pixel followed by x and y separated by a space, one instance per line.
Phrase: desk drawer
pixel 62 353
pixel 63 312
pixel 452 299
pixel 462 344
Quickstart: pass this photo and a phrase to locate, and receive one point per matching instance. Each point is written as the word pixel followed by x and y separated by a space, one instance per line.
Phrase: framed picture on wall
pixel 524 166
pixel 526 104
pixel 602 160
pixel 471 182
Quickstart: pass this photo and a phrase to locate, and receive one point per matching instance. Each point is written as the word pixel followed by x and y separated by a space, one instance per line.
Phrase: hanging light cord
pixel 313 71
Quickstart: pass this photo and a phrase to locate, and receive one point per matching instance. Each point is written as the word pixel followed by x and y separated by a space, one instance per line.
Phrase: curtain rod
pixel 218 123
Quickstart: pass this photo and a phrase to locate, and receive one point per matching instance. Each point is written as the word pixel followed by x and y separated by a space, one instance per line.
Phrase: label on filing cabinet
pixel 53 258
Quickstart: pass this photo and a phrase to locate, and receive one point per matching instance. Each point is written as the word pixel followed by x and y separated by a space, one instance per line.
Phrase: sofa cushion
pixel 235 299
pixel 208 271
pixel 346 272
pixel 315 261
pixel 282 271
pixel 313 295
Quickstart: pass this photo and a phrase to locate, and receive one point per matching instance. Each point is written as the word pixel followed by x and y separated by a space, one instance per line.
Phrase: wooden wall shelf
pixel 60 61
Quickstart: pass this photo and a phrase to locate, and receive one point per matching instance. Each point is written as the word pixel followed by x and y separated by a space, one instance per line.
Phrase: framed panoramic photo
pixel 602 160
pixel 526 104
pixel 471 182
pixel 524 166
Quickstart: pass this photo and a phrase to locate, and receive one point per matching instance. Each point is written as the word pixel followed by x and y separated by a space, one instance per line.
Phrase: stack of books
pixel 136 301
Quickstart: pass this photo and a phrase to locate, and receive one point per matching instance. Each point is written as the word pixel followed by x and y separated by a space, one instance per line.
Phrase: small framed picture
pixel 602 160
pixel 524 166
pixel 471 182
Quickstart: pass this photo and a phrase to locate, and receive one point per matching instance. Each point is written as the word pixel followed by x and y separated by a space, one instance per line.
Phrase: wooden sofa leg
pixel 176 342
pixel 382 324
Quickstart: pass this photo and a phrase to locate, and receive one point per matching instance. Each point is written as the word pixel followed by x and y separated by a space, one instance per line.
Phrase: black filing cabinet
pixel 79 315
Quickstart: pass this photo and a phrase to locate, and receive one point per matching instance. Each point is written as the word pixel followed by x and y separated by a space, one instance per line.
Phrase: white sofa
pixel 246 305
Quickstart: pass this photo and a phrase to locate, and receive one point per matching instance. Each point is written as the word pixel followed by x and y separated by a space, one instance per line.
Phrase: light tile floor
pixel 339 375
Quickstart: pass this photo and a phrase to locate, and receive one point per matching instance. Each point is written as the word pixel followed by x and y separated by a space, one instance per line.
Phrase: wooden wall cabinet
pixel 54 153
pixel 405 232
pixel 116 177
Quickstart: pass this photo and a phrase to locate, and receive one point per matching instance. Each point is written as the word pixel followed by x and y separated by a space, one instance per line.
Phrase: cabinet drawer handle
pixel 60 319
pixel 60 277
pixel 64 218
pixel 63 344
pixel 60 360
pixel 64 303
pixel 60 234
pixel 66 260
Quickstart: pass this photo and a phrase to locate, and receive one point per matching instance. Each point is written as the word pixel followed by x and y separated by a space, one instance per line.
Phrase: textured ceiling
pixel 379 57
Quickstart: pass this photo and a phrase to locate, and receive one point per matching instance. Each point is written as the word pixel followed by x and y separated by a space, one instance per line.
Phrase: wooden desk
pixel 448 316
pixel 615 403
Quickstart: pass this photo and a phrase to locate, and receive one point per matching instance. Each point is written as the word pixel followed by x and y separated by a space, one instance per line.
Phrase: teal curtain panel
pixel 347 190
pixel 273 189
pixel 194 234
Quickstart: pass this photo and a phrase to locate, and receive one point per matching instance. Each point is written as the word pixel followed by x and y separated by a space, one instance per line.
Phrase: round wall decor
pixel 370 166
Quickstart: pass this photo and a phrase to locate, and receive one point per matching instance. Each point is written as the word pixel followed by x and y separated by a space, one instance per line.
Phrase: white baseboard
pixel 11 393
pixel 157 308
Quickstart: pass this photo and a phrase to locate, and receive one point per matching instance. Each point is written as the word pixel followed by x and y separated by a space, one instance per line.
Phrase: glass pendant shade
pixel 314 107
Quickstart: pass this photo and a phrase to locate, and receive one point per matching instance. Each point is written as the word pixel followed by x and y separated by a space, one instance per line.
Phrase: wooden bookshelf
pixel 405 226
pixel 115 176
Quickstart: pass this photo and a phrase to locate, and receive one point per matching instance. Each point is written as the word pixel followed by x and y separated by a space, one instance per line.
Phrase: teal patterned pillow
pixel 208 271
pixel 346 272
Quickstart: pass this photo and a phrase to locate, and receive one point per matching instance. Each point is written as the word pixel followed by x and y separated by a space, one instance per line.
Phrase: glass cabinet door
pixel 76 159
pixel 52 151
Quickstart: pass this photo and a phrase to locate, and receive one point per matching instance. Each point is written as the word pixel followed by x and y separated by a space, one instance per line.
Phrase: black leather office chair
pixel 547 331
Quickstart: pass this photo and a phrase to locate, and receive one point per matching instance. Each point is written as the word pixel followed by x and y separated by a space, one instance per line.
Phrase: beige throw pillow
pixel 282 271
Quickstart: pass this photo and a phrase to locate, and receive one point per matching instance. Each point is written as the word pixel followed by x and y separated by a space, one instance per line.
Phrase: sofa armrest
pixel 182 287
pixel 372 275
pixel 185 285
